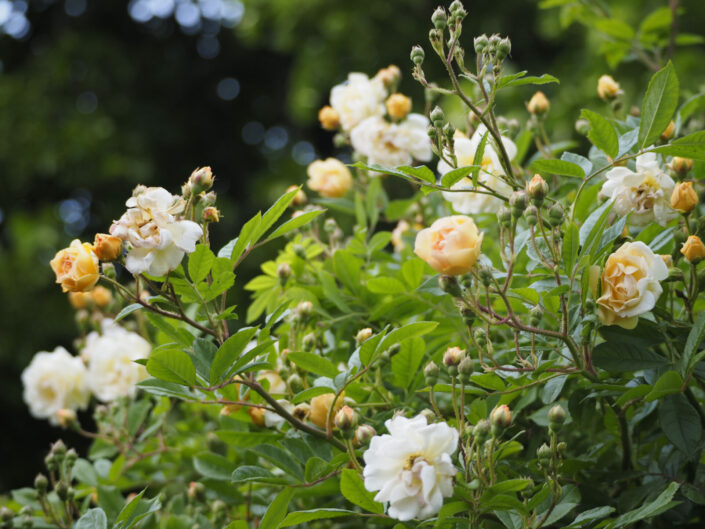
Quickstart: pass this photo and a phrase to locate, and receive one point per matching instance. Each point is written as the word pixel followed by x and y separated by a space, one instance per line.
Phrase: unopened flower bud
pixel 684 198
pixel 504 215
pixel 607 88
pixel 531 214
pixel 430 373
pixel 61 490
pixel 468 315
pixel 301 411
pixel 517 203
pixel 59 449
pixel 417 55
pixel 480 336
pixel 80 300
pixel 201 180
pixel 363 334
pixel 668 133
pixel 482 431
pixel 539 104
pixel 501 419
pixel 66 417
pixel 211 214
pixel 208 199
pixel 304 310
pixel 465 369
pixel 257 416
pixel 309 341
pixel 346 421
pixel 582 127
pixel 109 270
pixel 556 418
pixel 457 9
pixel 295 383
pixel 320 408
pixel 299 251
pixel 363 434
pixel 438 118
pixel 329 118
pixel 544 454
pixel 535 316
pixel 449 131
pixel 196 491
pixel 71 457
pixel 537 190
pixel 485 273
pixel 439 18
pixel 6 515
pixel 680 165
pixel 480 43
pixel 561 447
pixel 452 358
pixel 107 247
pixel 101 296
pixel 398 106
pixel 556 214
pixel 283 272
pixel 693 249
pixel 504 48
pixel 449 284
pixel 41 483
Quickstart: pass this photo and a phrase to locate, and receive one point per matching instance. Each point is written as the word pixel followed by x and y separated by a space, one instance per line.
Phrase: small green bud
pixel 468 315
pixel 432 132
pixel 452 358
pixel 556 418
pixel 493 43
pixel 561 447
pixel 482 431
pixel 435 36
pixel 438 118
pixel 505 216
pixel 41 483
pixel 429 414
pixel 504 48
pixel 537 189
pixel 109 270
pixel 394 349
pixel 531 214
pixel 544 454
pixel 430 373
pixel 295 383
pixel 480 44
pixel 417 55
pixel 457 9
pixel 304 310
pixel 679 235
pixel 501 419
pixel 59 449
pixel 61 490
pixel 299 251
pixel 284 272
pixel 346 421
pixel 6 516
pixel 485 273
pixel 535 316
pixel 556 215
pixel 364 434
pixel 201 180
pixel 465 369
pixel 329 226
pixel 582 127
pixel 480 336
pixel 309 341
pixel 450 285
pixel 439 18
pixel 517 203
pixel 71 458
pixel 448 131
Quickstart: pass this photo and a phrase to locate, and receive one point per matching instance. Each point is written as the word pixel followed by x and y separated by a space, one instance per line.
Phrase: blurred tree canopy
pixel 96 97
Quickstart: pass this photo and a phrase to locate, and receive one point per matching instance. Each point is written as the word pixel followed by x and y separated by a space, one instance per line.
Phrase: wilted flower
pixel 411 466
pixel 630 284
pixel 392 144
pixel 693 249
pixel 490 174
pixel 76 267
pixel 111 355
pixel 330 178
pixel 357 99
pixel 645 193
pixel 159 240
pixel 451 245
pixel 55 381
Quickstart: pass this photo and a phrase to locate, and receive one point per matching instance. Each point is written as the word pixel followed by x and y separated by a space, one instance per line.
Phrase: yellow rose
pixel 101 296
pixel 329 118
pixel 684 198
pixel 107 247
pixel 76 267
pixel 630 284
pixel 80 300
pixel 330 178
pixel 693 249
pixel 451 245
pixel 681 165
pixel 538 104
pixel 320 409
pixel 398 106
pixel 607 88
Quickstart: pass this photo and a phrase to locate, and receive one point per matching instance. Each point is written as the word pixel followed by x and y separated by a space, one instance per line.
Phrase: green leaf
pixel 680 422
pixel 163 388
pixel 571 245
pixel 531 79
pixel 647 510
pixel 301 517
pixel 602 133
pixel 667 384
pixel 353 488
pixel 409 330
pixel 558 167
pixel 280 458
pixel 583 162
pixel 658 106
pixel 273 213
pixel 309 393
pixel 213 466
pixel 200 263
pixel 456 175
pixel 510 485
pixel 421 172
pixel 292 224
pixel 369 347
pixel 412 272
pixel 626 357
pixel 695 337
pixel 593 227
pixel 254 474
pixel 406 363
pixel 690 146
pixel 172 365
pixel 691 106
pixel 93 519
pixel 229 353
pixel 385 285
pixel 347 268
pixel 314 363
pixel 135 510
pixel 276 511
pixel 127 311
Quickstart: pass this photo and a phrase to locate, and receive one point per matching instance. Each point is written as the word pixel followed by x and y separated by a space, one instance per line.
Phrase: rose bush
pixel 514 341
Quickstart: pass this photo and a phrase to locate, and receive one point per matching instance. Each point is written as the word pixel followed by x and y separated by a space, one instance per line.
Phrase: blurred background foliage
pixel 96 96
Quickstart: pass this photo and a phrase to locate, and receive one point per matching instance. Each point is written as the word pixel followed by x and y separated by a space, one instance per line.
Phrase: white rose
pixel 630 284
pixel 393 144
pixel 357 99
pixel 645 193
pixel 411 466
pixel 55 381
pixel 111 355
pixel 159 241
pixel 490 175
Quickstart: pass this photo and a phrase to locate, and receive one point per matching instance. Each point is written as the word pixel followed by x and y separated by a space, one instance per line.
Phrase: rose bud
pixel 693 249
pixel 107 247
pixel 329 118
pixel 684 198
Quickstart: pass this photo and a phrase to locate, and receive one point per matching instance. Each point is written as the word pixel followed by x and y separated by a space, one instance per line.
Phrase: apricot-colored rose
pixel 607 88
pixel 684 198
pixel 693 249
pixel 320 409
pixel 330 178
pixel 107 247
pixel 451 245
pixel 76 267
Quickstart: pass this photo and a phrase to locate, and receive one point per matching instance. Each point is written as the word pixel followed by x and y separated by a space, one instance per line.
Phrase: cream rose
pixel 630 284
pixel 357 99
pixel 393 144
pixel 111 355
pixel 451 245
pixel 411 466
pixel 490 175
pixel 330 178
pixel 76 267
pixel 53 382
pixel 646 193
pixel 158 238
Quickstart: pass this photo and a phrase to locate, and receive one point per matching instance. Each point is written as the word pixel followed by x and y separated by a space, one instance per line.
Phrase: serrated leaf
pixel 421 172
pixel 172 365
pixel 295 223
pixel 456 175
pixel 626 357
pixel 531 79
pixel 301 517
pixel 680 423
pixel 647 510
pixel 276 511
pixel 602 133
pixel 385 285
pixel 127 311
pixel 255 474
pixel 200 263
pixel 690 146
pixel 93 519
pixel 353 489
pixel 695 337
pixel 313 363
pixel 558 167
pixel 658 106
pixel 229 352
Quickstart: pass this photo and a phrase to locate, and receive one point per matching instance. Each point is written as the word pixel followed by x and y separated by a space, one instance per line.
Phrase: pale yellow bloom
pixel 451 245
pixel 684 198
pixel 330 178
pixel 320 409
pixel 693 249
pixel 76 267
pixel 607 88
pixel 398 106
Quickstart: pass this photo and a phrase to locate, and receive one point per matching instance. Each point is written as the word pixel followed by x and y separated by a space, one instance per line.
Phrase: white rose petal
pixel 392 144
pixel 357 99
